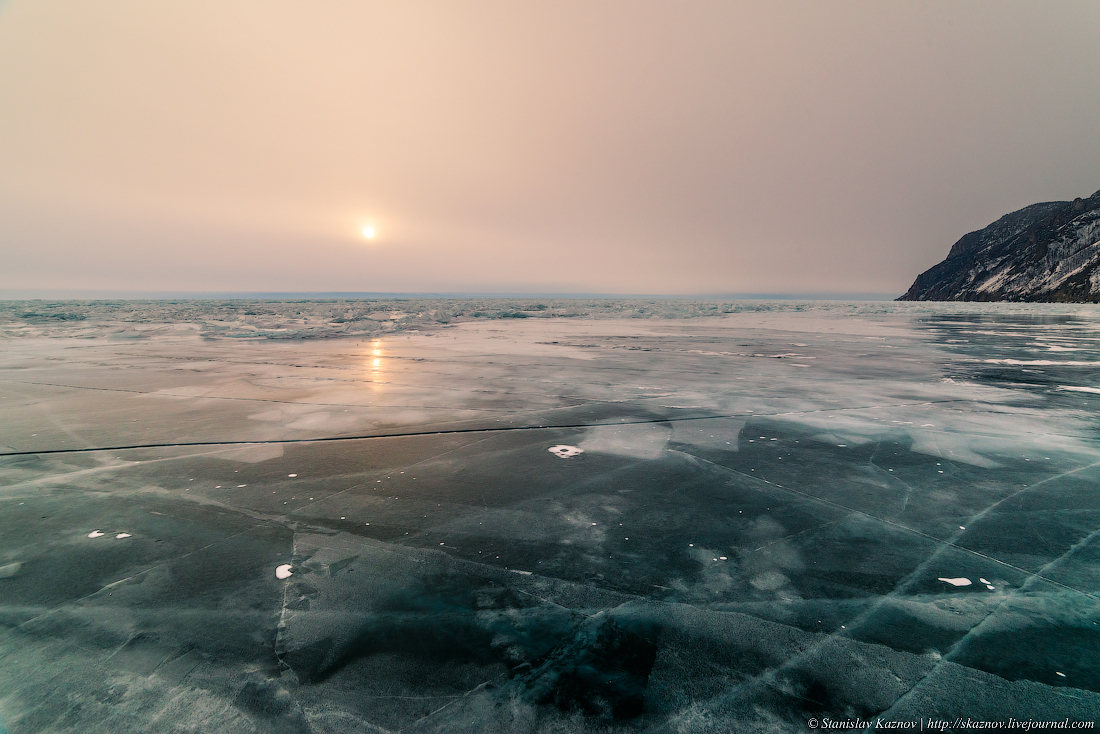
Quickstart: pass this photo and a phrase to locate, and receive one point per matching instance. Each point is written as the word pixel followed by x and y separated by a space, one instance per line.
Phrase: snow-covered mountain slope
pixel 1043 252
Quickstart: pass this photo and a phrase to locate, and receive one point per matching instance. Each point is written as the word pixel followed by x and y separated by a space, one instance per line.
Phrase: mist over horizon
pixel 715 148
pixel 92 295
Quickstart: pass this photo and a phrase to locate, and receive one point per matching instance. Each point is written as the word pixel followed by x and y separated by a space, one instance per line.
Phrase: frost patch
pixel 253 454
pixel 769 581
pixel 638 441
pixel 711 433
pixel 1042 362
pixel 950 446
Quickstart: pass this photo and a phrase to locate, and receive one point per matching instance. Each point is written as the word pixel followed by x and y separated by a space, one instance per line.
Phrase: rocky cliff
pixel 1043 252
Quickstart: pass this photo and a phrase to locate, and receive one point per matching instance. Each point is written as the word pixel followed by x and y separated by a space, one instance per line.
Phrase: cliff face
pixel 1043 252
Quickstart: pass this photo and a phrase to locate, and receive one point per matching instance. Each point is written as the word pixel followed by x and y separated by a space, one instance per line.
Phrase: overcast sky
pixel 560 146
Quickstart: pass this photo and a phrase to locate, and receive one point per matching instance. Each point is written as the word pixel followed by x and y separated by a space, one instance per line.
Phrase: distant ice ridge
pixel 367 318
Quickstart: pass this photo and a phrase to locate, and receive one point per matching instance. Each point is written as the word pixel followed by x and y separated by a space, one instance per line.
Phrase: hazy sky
pixel 560 146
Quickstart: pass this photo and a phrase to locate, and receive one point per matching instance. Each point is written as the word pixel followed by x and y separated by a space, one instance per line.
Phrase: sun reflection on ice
pixel 374 359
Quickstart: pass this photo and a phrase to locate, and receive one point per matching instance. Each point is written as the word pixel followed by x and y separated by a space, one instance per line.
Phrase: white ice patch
pixel 841 439
pixel 120 536
pixel 1079 389
pixel 951 446
pixel 283 571
pixel 564 452
pixel 95 534
pixel 710 433
pixel 769 581
pixel 1042 362
pixel 639 440
pixel 185 391
pixel 956 582
pixel 308 417
pixel 319 421
pixel 10 570
pixel 253 454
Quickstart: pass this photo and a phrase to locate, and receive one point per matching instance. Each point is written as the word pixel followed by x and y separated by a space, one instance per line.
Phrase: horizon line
pixel 83 294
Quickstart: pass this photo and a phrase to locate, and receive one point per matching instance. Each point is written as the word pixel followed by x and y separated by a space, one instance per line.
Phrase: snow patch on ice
pixel 956 582
pixel 563 451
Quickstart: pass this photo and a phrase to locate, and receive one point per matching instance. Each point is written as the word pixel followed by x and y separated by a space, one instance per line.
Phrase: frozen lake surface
pixel 546 516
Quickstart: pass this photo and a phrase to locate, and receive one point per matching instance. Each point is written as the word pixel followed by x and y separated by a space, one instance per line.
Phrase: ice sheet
pixel 599 515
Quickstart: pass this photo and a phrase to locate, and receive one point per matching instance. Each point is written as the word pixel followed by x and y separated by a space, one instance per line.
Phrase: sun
pixel 368 232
